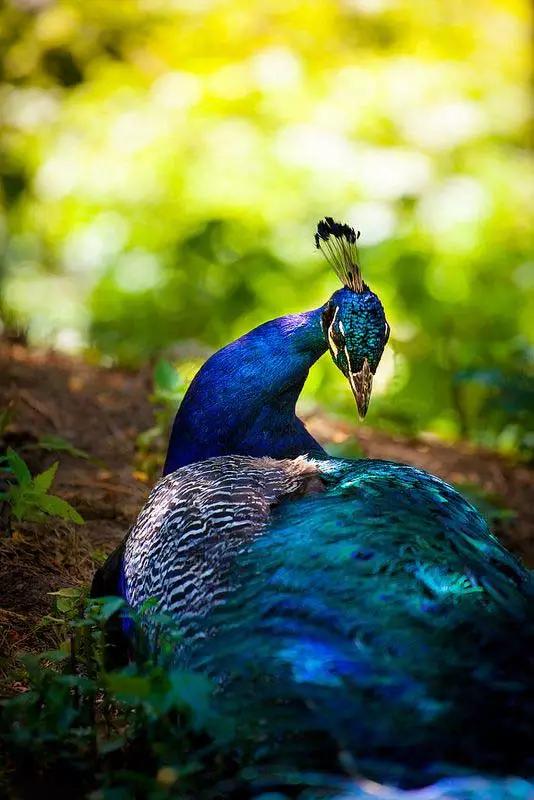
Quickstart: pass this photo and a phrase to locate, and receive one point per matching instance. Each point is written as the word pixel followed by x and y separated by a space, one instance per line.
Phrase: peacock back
pixel 342 606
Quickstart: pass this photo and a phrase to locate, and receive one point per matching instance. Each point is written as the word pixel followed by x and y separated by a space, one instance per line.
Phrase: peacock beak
pixel 361 384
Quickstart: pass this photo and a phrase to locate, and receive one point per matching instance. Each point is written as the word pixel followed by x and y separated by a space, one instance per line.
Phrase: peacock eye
pixel 338 338
pixel 328 316
pixel 387 331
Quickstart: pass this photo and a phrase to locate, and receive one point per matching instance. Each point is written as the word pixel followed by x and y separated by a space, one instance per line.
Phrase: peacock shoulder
pixel 186 547
pixel 197 519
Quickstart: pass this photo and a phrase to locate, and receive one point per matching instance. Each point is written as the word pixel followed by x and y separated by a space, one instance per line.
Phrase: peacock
pixel 347 609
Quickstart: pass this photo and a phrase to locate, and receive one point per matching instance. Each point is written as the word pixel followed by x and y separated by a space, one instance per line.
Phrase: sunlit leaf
pixel 44 480
pixel 57 507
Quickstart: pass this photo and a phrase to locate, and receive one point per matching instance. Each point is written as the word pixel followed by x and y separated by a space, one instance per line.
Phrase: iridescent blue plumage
pixel 346 606
pixel 243 399
pixel 383 619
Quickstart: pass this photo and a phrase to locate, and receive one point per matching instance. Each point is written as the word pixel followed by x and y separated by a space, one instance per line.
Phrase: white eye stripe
pixel 349 367
pixel 333 346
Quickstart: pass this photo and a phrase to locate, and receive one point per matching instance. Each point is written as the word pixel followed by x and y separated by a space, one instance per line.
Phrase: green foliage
pixel 491 506
pixel 137 730
pixel 28 497
pixel 497 395
pixel 69 605
pixel 143 730
pixel 57 444
pixel 169 387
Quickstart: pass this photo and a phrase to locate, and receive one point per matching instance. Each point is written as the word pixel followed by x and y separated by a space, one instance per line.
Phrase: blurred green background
pixel 163 166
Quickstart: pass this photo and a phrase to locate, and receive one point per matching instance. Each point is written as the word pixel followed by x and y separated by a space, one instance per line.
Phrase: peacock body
pixel 343 606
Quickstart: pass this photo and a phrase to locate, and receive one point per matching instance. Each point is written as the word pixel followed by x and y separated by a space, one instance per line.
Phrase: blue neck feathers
pixel 243 399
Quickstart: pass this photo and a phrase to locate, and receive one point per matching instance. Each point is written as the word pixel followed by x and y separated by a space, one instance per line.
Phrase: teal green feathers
pixel 382 619
pixel 359 607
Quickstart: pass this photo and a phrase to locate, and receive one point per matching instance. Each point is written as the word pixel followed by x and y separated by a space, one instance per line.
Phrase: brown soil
pixel 102 411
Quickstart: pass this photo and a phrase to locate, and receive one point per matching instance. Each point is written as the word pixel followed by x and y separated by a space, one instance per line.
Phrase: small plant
pixel 503 400
pixel 170 385
pixel 28 496
pixel 144 730
pixel 169 389
pixel 57 444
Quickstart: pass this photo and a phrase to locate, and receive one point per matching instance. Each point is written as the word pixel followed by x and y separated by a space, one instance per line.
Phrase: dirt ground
pixel 102 411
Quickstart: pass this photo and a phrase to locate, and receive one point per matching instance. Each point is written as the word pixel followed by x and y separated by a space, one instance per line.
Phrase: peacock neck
pixel 243 399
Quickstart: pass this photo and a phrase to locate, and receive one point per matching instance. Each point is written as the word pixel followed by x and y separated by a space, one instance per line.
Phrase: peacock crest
pixel 337 242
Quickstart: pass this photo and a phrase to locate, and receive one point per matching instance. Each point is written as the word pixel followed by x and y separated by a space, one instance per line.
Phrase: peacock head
pixel 353 320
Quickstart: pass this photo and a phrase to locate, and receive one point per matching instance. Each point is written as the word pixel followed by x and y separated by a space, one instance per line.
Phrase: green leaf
pixel 102 608
pixel 54 443
pixel 68 591
pixel 68 599
pixel 57 507
pixel 48 619
pixel 44 481
pixel 192 692
pixel 129 688
pixel 18 467
pixel 55 656
pixel 148 604
pixel 166 378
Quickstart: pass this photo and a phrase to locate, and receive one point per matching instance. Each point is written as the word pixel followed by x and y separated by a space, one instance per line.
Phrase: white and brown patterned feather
pixel 196 521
